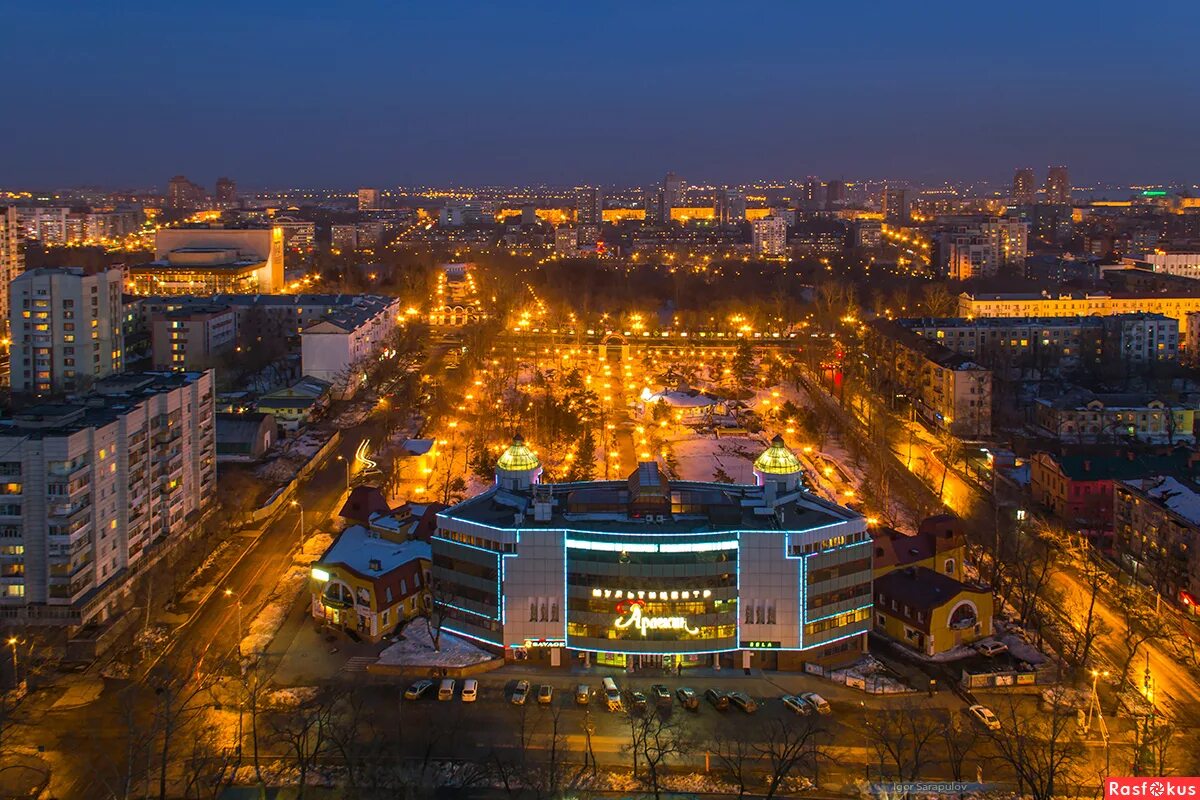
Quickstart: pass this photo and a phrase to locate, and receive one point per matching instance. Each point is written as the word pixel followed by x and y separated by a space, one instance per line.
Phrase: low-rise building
pixel 949 390
pixel 371 583
pixel 337 347
pixel 1157 535
pixel 1087 418
pixel 1176 305
pixel 296 405
pixel 245 437
pixel 1078 488
pixel 922 597
pixel 205 261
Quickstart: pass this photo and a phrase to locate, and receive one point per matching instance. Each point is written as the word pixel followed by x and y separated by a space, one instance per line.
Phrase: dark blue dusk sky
pixel 331 93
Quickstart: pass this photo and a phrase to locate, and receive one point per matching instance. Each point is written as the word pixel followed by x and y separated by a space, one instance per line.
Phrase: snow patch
pixel 416 649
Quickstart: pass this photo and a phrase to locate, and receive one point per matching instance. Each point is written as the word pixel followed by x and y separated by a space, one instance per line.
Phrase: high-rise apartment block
pixel 183 194
pixel 96 490
pixel 589 205
pixel 226 192
pixel 770 237
pixel 730 206
pixel 66 329
pixel 674 193
pixel 368 199
pixel 12 261
pixel 1023 189
pixel 896 210
pixel 1058 186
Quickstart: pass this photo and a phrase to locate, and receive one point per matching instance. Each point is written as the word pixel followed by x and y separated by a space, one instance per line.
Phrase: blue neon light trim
pixel 472 546
pixel 469 611
pixel 457 632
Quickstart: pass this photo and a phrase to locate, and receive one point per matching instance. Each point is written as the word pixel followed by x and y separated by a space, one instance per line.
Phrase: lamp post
pixel 1095 704
pixel 297 504
pixel 238 602
pixel 12 642
pixel 347 463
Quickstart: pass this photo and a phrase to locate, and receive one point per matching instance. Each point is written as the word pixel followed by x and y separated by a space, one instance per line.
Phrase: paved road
pixel 74 738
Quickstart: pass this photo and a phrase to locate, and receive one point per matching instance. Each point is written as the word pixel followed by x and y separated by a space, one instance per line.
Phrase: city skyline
pixel 816 91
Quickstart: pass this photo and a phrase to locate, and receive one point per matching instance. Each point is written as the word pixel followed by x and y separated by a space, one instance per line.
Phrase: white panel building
pixel 96 489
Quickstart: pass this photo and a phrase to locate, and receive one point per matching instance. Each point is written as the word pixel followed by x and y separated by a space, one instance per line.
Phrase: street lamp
pixel 12 642
pixel 297 504
pixel 238 601
pixel 347 463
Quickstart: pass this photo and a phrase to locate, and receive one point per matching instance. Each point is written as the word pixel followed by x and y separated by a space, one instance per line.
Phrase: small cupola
pixel 517 468
pixel 778 465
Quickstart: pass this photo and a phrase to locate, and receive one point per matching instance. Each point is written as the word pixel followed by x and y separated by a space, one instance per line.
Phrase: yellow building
pixel 921 597
pixel 929 611
pixel 1078 304
pixel 370 583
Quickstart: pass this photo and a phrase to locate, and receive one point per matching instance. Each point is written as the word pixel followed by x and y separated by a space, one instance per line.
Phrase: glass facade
pixel 626 600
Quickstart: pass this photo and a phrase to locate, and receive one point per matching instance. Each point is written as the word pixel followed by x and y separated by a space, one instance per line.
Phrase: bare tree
pixel 736 755
pixel 789 745
pixel 1142 625
pixel 655 739
pixel 303 731
pixel 179 696
pixel 1040 748
pixel 902 737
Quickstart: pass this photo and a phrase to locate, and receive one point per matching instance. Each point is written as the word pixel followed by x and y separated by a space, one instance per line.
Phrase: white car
pixel 992 648
pixel 470 690
pixel 520 692
pixel 818 703
pixel 796 705
pixel 984 716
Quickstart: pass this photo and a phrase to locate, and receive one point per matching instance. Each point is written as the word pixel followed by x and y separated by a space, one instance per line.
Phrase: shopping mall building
pixel 652 572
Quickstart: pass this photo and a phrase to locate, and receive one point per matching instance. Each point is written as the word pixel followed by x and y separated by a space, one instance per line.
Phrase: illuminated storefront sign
pixel 695 594
pixel 630 616
pixel 759 645
pixel 531 644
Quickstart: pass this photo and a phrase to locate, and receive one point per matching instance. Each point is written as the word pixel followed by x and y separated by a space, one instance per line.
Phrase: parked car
pixel 637 701
pixel 612 695
pixel 545 694
pixel 662 695
pixel 446 689
pixel 818 703
pixel 984 716
pixel 743 701
pixel 719 699
pixel 418 689
pixel 992 648
pixel 688 698
pixel 520 693
pixel 583 694
pixel 795 704
pixel 470 690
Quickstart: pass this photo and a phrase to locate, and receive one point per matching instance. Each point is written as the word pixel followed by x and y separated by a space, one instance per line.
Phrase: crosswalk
pixel 358 663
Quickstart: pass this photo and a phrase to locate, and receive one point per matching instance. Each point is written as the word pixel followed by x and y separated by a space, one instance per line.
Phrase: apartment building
pixel 337 347
pixel 1086 417
pixel 66 326
pixel 1157 535
pixel 1176 305
pixel 948 389
pixel 99 488
pixel 192 338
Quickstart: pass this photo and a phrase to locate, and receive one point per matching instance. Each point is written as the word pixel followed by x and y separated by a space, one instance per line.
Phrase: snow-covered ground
pixel 416 649
pixel 699 457
pixel 871 675
pixel 314 547
pixel 267 622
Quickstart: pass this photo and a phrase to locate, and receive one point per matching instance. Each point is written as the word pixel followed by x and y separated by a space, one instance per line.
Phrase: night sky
pixel 347 93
